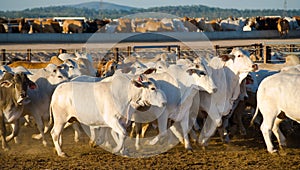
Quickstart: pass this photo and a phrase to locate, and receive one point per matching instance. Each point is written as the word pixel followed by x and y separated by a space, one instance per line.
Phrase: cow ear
pixel 150 70
pixel 32 85
pixel 224 57
pixel 137 83
pixel 191 71
pixel 6 83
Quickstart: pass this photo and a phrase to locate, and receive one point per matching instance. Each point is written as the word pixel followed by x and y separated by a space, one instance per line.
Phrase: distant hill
pixel 103 5
pixel 109 10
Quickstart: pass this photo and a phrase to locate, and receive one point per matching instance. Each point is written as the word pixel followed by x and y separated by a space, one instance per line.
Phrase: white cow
pixel 277 97
pixel 190 80
pixel 102 104
pixel 228 73
pixel 46 79
pixel 231 24
pixel 291 69
pixel 78 64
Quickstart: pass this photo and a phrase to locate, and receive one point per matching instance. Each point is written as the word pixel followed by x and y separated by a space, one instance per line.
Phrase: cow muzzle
pixel 255 67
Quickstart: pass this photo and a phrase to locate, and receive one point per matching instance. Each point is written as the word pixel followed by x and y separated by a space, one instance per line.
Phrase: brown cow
pixel 191 24
pixel 72 26
pixel 42 26
pixel 106 68
pixel 283 27
pixel 24 26
pixel 2 28
pixel 124 25
pixel 29 65
pixel 57 61
pixel 155 26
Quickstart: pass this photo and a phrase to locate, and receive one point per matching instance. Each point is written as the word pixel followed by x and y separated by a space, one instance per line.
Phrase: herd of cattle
pixel 185 24
pixel 71 89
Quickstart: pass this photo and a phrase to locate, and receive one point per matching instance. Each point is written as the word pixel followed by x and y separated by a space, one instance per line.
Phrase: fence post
pixel 267 54
pixel 292 47
pixel 116 54
pixel 178 52
pixel 61 50
pixel 260 50
pixel 3 56
pixel 217 50
pixel 169 48
pixel 28 58
pixel 129 51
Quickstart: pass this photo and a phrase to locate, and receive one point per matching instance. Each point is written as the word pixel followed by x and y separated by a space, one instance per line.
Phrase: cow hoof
pixel 153 141
pixel 36 136
pixel 124 152
pixel 189 150
pixel 138 148
pixel 76 140
pixel 282 153
pixel 273 152
pixel 44 143
pixel 282 146
pixel 92 144
pixel 63 155
pixel 6 149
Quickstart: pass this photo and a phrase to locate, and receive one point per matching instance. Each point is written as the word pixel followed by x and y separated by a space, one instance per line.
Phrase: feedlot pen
pixel 264 49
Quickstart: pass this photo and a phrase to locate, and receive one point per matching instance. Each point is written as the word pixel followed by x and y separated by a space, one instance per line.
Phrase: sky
pixel 9 5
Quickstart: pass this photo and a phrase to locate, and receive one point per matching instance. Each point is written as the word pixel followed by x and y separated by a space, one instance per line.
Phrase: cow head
pixel 56 74
pixel 202 77
pixel 70 67
pixel 241 62
pixel 144 92
pixel 18 84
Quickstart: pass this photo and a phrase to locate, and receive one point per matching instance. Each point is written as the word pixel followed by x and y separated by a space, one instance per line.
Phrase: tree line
pixel 178 11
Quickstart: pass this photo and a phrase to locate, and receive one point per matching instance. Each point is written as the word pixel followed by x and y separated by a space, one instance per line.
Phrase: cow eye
pixel 153 88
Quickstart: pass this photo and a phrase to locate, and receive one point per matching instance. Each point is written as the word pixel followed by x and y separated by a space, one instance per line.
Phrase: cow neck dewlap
pixel 232 66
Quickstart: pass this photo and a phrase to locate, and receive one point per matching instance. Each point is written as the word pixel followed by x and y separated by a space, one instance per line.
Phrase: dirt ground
pixel 244 152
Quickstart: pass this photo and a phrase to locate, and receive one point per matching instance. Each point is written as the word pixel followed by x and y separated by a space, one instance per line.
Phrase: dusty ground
pixel 244 152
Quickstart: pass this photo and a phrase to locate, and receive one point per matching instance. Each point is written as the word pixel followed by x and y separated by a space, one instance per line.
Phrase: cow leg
pixel 208 130
pixel 40 126
pixel 77 131
pixel 15 131
pixel 138 130
pixel 162 122
pixel 132 130
pixel 3 132
pixel 185 131
pixel 277 132
pixel 266 129
pixel 144 129
pixel 120 144
pixel 56 133
pixel 175 130
pixel 223 129
pixel 117 127
pixel 92 141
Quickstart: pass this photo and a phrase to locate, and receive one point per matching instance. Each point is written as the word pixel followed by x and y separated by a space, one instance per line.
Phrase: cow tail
pixel 51 116
pixel 253 118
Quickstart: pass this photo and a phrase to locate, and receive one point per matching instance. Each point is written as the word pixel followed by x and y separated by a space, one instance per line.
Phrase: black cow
pixel 13 96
